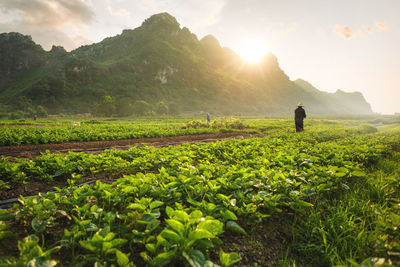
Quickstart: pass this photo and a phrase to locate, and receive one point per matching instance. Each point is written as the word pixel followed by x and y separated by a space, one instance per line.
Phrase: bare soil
pixel 34 150
pixel 264 245
pixel 31 151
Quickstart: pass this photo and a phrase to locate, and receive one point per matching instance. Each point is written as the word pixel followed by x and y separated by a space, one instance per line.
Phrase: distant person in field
pixel 208 117
pixel 299 116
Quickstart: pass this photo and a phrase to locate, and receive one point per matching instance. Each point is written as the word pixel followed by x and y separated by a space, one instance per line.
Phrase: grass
pixel 358 228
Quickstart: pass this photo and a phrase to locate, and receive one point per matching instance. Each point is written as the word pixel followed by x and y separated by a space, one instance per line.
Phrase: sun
pixel 252 51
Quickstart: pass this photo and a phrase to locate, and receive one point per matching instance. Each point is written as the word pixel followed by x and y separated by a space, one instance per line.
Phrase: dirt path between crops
pixel 30 151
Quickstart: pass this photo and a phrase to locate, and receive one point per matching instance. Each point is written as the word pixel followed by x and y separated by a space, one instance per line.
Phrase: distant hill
pixel 159 64
pixel 340 102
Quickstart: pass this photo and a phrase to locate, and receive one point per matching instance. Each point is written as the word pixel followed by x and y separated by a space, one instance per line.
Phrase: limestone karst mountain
pixel 158 61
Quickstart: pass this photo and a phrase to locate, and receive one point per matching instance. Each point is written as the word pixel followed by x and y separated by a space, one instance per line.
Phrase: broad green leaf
pixel 227 259
pixel 205 244
pixel 200 234
pixel 118 242
pixel 38 225
pixel 41 262
pixel 50 251
pixel 170 235
pixel 163 258
pixel 180 215
pixel 195 258
pixel 196 215
pixel 122 258
pixel 177 226
pixel 33 238
pixel 87 245
pixel 340 174
pixel 228 215
pixel 358 173
pixel 91 227
pixel 137 206
pixel 152 226
pixel 151 248
pixel 103 232
pixel 156 204
pixel 213 226
pixel 170 211
pixel 109 236
pixel 231 225
pixel 395 219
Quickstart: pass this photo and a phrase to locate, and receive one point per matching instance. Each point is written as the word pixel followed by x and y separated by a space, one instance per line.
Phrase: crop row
pixel 50 166
pixel 179 201
pixel 102 130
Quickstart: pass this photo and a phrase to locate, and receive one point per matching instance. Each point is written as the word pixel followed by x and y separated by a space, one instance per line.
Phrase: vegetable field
pixel 332 193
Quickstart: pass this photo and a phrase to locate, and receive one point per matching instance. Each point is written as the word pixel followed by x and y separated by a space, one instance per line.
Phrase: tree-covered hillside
pixel 157 67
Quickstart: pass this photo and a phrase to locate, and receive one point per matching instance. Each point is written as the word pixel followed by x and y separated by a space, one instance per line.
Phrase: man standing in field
pixel 299 115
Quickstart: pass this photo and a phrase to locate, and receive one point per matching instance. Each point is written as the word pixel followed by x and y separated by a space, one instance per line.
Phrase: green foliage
pixel 124 107
pixel 158 61
pixel 161 108
pixel 141 107
pixel 31 254
pixel 173 205
pixel 41 112
pixel 219 123
pixel 16 115
pixel 106 107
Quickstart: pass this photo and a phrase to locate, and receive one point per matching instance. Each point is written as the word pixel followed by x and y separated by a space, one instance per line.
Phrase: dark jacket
pixel 299 114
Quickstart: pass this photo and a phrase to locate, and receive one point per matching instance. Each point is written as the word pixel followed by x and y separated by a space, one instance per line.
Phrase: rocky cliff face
pixel 19 54
pixel 157 61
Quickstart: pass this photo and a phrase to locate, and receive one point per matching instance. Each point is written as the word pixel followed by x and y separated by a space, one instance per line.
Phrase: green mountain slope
pixel 158 61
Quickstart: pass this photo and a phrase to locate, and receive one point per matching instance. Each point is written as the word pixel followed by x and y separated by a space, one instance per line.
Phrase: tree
pixel 161 108
pixel 22 103
pixel 173 109
pixel 41 112
pixel 16 115
pixel 141 107
pixel 106 106
pixel 124 107
pixel 30 112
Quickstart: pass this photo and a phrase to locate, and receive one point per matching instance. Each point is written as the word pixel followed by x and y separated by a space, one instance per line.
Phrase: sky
pixel 352 45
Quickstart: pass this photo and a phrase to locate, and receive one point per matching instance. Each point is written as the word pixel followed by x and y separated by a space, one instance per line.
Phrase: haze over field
pixel 347 45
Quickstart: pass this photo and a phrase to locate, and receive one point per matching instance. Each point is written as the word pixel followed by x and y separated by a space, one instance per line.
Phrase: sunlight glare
pixel 252 51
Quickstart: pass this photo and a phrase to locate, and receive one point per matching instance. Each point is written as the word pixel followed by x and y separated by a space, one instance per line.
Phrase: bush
pixel 141 108
pixel 221 123
pixel 124 107
pixel 16 115
pixel 41 112
pixel 161 108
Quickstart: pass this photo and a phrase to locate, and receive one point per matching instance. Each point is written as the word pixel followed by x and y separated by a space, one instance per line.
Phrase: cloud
pixel 118 12
pixel 348 33
pixel 343 31
pixel 381 25
pixel 193 13
pixel 45 20
pixel 369 29
pixel 48 37
pixel 51 14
